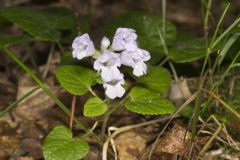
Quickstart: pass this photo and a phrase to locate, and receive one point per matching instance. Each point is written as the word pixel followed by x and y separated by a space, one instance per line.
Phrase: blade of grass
pixel 228 107
pixel 226 47
pixel 164 6
pixel 219 24
pixel 206 18
pixel 214 42
pixel 197 106
pixel 15 103
pixel 227 70
pixel 196 110
pixel 209 51
pixel 234 24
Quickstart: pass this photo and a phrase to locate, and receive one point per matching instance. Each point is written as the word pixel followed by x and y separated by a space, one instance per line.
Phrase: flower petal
pixel 140 69
pixel 113 91
pixel 82 47
pixel 105 43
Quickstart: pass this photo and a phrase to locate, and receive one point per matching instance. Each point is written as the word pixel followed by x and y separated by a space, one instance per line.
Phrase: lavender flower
pixel 136 61
pixel 108 64
pixel 105 43
pixel 82 47
pixel 124 39
pixel 140 69
pixel 114 89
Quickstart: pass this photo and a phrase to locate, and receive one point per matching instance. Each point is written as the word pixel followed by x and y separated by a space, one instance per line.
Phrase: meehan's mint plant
pixel 144 97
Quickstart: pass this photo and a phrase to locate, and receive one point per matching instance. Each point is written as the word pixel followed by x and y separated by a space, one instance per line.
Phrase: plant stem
pixel 92 92
pixel 104 123
pixel 109 112
pixel 60 47
pixel 72 112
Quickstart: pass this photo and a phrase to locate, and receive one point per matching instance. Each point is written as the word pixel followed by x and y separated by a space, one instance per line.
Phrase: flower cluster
pixel 123 51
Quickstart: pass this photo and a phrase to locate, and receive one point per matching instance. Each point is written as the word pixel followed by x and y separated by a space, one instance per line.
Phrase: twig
pixel 206 146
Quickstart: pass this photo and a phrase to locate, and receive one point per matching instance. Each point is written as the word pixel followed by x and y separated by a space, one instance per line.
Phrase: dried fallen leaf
pixel 8 145
pixel 32 147
pixel 34 106
pixel 175 141
pixel 130 145
pixel 179 91
pixel 22 158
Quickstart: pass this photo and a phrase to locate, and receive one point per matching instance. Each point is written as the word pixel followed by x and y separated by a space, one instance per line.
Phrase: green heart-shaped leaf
pixel 44 25
pixel 188 50
pixel 59 145
pixel 75 79
pixel 7 41
pixel 144 101
pixel 94 107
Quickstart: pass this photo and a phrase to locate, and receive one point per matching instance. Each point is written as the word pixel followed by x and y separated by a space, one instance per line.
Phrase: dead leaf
pixel 22 158
pixel 162 156
pixel 34 106
pixel 175 141
pixel 179 91
pixel 32 147
pixel 130 145
pixel 8 145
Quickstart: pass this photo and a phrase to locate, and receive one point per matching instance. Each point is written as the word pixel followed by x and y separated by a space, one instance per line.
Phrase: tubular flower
pixel 105 43
pixel 107 64
pixel 124 39
pixel 82 47
pixel 136 61
pixel 114 89
pixel 112 78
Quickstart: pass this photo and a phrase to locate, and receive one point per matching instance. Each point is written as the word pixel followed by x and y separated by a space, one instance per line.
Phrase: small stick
pixel 72 112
